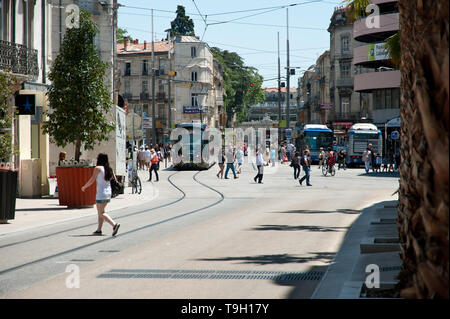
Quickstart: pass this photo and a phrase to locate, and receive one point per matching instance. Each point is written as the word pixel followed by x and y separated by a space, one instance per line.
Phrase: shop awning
pixel 395 122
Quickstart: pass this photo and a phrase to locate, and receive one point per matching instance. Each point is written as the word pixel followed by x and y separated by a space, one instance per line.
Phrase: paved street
pixel 200 237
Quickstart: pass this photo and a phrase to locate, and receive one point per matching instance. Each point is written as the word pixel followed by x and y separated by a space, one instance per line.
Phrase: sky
pixel 249 28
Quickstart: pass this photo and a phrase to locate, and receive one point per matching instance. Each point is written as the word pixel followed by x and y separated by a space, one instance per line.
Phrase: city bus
pixel 357 139
pixel 314 136
pixel 196 159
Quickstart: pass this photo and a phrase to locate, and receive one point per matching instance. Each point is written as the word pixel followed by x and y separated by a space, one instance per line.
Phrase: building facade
pixel 31 34
pixel 270 106
pixel 376 74
pixel 347 105
pixel 314 91
pixel 24 37
pixel 192 75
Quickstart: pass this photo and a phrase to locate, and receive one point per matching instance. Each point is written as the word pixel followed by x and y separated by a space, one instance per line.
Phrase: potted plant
pixel 79 104
pixel 8 175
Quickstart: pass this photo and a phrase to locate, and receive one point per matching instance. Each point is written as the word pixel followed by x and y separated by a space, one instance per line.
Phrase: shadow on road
pixel 299 228
pixel 301 289
pixel 381 174
pixel 309 211
pixel 276 259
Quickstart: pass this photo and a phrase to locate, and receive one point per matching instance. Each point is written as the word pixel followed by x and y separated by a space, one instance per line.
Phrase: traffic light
pixel 252 84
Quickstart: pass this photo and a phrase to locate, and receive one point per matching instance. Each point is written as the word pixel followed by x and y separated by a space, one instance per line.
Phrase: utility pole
pixel 170 84
pixel 153 87
pixel 279 91
pixel 288 93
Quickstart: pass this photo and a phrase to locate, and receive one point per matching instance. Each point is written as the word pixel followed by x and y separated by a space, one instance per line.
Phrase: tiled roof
pixel 283 90
pixel 134 47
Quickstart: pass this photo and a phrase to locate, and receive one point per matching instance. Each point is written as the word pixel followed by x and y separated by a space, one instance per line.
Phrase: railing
pixel 19 59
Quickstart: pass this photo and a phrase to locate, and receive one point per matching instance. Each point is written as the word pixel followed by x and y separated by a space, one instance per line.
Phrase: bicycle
pixel 328 169
pixel 136 185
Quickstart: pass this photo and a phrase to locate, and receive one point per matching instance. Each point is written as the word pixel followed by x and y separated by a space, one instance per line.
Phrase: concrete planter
pixel 70 180
pixel 8 190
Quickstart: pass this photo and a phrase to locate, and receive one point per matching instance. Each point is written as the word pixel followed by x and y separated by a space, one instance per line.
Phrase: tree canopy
pixel 182 24
pixel 239 93
pixel 122 34
pixel 79 100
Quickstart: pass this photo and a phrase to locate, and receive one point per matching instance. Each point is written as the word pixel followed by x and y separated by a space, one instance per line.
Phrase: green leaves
pixel 78 98
pixel 6 83
pixel 182 25
pixel 239 95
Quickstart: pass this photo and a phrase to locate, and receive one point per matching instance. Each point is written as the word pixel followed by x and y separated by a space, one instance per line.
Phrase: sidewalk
pixel 372 240
pixel 37 212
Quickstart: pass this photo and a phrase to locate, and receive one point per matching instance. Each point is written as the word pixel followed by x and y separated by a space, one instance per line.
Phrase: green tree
pixel 79 100
pixel 122 34
pixel 6 84
pixel 239 94
pixel 182 25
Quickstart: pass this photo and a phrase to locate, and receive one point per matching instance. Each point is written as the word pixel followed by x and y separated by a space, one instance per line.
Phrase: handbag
pixel 116 188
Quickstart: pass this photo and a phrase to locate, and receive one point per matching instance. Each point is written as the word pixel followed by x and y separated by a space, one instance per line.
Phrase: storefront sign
pixel 377 51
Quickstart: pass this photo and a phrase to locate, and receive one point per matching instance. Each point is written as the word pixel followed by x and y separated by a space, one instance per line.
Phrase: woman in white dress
pixel 102 175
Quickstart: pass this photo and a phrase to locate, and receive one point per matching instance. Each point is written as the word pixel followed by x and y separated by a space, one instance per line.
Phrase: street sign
pixel 26 104
pixel 288 133
pixel 395 135
pixel 147 122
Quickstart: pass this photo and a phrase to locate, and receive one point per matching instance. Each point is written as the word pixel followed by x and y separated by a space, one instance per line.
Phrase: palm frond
pixel 394 48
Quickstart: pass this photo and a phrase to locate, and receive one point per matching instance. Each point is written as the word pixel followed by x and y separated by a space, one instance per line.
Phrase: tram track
pixel 132 231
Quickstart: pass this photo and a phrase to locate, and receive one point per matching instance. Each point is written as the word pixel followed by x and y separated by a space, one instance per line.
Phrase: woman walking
pixel 154 160
pixel 221 164
pixel 102 175
pixel 296 165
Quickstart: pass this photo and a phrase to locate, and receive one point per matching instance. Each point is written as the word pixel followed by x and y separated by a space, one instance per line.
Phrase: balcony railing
pixel 19 59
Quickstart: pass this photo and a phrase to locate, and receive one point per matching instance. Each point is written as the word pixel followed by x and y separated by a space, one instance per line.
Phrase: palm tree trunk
pixel 424 193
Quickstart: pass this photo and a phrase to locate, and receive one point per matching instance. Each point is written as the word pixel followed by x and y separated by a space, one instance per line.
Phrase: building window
pixel 145 86
pixel 127 68
pixel 345 45
pixel 194 99
pixel 127 87
pixel 345 105
pixel 345 69
pixel 162 66
pixel 194 76
pixel 193 52
pixel 2 27
pixel 396 98
pixel 388 99
pixel 144 67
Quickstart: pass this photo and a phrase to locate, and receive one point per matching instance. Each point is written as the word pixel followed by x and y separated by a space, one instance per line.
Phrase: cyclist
pixel 330 159
pixel 321 157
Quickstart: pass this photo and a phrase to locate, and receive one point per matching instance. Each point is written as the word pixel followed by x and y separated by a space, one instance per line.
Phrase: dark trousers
pixel 296 171
pixel 154 167
pixel 230 166
pixel 306 170
pixel 258 176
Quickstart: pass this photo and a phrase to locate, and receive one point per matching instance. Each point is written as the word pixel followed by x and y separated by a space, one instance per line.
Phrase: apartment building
pixel 196 85
pixel 269 108
pixel 348 106
pixel 314 101
pixel 377 75
pixel 31 34
pixel 24 45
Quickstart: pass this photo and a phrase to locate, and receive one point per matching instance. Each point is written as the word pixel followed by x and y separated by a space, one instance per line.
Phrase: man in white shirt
pixel 230 163
pixel 260 166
